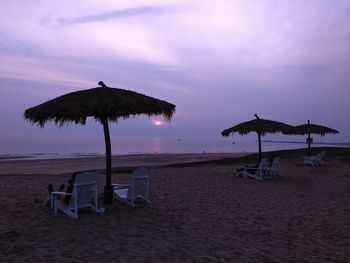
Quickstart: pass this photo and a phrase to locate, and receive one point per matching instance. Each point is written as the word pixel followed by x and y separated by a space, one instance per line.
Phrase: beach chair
pixel 273 170
pixel 47 201
pixel 136 190
pixel 84 195
pixel 316 160
pixel 259 173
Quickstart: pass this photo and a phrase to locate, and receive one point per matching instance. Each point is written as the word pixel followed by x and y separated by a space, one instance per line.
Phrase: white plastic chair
pixel 316 160
pixel 273 170
pixel 84 195
pixel 258 173
pixel 136 190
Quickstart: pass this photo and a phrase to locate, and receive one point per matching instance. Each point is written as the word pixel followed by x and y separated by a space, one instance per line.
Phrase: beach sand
pixel 198 213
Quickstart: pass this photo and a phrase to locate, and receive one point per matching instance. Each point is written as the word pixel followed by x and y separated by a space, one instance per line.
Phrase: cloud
pixel 195 34
pixel 125 13
pixel 40 70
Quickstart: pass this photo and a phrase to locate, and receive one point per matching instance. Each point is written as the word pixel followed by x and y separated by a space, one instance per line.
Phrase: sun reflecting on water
pixel 157 122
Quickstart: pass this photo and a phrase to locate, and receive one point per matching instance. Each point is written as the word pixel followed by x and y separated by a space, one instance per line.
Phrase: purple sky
pixel 218 61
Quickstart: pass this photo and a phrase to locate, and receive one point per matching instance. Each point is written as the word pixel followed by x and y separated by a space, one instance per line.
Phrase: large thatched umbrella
pixel 260 126
pixel 104 104
pixel 311 129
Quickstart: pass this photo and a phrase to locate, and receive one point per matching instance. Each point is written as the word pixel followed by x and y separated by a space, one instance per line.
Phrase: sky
pixel 219 62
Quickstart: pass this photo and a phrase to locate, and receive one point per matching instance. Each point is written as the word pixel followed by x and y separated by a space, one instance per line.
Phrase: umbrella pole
pixel 108 190
pixel 308 136
pixel 309 146
pixel 259 139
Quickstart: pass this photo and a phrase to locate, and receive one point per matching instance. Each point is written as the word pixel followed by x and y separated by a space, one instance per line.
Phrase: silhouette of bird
pixel 102 84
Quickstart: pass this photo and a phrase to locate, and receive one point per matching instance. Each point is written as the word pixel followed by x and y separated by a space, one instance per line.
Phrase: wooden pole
pixel 108 190
pixel 309 142
pixel 309 146
pixel 259 139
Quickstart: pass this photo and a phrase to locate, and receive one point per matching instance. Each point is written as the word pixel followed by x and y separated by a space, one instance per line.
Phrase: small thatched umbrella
pixel 260 126
pixel 104 104
pixel 311 128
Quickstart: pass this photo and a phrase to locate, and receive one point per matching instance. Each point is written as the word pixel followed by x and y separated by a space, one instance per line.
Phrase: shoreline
pixel 83 163
pixel 69 165
pixel 58 156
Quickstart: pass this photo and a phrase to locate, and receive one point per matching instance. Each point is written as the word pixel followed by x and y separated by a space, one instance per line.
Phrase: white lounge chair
pixel 136 190
pixel 47 201
pixel 273 170
pixel 258 173
pixel 84 195
pixel 316 160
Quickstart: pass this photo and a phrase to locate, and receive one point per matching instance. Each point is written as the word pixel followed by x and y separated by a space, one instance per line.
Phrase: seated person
pixel 64 198
pixel 70 188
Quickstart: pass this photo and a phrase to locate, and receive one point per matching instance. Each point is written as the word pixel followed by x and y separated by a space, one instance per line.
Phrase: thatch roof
pixel 101 102
pixel 257 125
pixel 311 128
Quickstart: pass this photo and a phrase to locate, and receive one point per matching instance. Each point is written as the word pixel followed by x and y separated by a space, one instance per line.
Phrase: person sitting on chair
pixel 64 198
pixel 70 188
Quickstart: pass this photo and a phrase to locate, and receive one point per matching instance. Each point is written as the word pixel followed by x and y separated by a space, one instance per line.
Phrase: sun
pixel 157 122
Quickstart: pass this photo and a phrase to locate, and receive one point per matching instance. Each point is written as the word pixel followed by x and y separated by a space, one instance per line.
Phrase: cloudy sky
pixel 220 62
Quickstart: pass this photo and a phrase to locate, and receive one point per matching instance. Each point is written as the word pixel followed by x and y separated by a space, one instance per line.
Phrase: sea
pixel 130 145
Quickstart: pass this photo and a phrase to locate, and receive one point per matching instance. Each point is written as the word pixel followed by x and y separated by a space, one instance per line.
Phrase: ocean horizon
pixel 148 146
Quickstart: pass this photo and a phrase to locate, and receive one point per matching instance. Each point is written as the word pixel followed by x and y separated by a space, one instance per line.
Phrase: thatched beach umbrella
pixel 104 104
pixel 260 126
pixel 311 129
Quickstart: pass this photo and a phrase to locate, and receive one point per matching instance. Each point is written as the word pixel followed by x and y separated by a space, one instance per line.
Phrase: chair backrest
pixel 85 178
pixel 140 172
pixel 275 166
pixel 320 156
pixel 84 190
pixel 138 184
pixel 262 165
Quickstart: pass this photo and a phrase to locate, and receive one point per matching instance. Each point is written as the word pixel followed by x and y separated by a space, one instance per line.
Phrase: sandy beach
pixel 198 213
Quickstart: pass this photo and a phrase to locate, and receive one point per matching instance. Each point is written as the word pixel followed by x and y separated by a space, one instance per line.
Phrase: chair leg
pixel 54 200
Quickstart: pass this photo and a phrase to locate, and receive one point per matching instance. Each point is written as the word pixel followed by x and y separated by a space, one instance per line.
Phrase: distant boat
pixel 179 140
